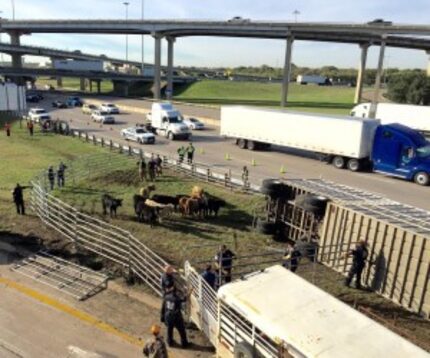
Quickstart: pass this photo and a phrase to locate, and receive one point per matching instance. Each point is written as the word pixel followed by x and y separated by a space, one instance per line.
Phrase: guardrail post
pixel 130 150
pixel 110 144
pixel 102 142
pixel 120 149
pixel 140 153
pixel 165 160
pixel 208 175
pixel 86 137
pixel 193 169
pixel 94 140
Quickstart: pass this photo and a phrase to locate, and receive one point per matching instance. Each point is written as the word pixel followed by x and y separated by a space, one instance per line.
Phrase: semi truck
pixel 252 317
pixel 416 117
pixel 346 142
pixel 168 121
pixel 318 80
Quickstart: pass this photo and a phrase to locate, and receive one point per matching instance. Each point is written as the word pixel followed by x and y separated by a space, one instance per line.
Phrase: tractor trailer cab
pixel 402 152
pixel 168 121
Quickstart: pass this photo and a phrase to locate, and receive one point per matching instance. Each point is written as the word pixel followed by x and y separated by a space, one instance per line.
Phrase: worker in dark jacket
pixel 159 163
pixel 291 258
pixel 18 199
pixel 156 348
pixel 60 174
pixel 181 153
pixel 173 318
pixel 7 129
pixel 167 286
pixel 209 276
pixel 51 177
pixel 224 259
pixel 190 153
pixel 359 257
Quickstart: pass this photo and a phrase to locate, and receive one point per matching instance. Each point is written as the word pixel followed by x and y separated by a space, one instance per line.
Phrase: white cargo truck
pixel 416 117
pixel 168 121
pixel 253 317
pixel 312 79
pixel 335 137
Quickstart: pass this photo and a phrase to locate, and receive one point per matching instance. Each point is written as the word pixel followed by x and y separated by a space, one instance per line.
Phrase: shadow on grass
pixel 267 103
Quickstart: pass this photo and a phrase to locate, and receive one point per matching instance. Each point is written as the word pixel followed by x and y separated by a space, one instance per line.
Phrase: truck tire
pixel 353 164
pixel 170 136
pixel 252 145
pixel 266 228
pixel 275 188
pixel 242 143
pixel 338 162
pixel 312 203
pixel 244 350
pixel 422 178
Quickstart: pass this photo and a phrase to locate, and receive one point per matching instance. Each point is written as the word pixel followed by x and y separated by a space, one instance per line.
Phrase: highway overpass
pixel 364 35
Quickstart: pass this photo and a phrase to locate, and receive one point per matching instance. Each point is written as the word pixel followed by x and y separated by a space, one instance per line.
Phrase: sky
pixel 227 52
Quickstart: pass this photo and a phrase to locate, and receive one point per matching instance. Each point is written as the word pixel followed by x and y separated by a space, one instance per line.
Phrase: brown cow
pixel 183 205
pixel 192 206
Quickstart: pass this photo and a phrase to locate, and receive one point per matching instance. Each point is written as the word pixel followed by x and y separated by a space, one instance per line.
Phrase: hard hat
pixel 155 329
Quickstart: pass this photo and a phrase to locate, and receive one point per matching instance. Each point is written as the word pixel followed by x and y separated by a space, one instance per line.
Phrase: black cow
pixel 108 202
pixel 146 214
pixel 166 199
pixel 213 205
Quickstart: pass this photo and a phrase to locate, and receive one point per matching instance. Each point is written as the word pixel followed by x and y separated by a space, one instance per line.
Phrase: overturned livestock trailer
pixel 335 217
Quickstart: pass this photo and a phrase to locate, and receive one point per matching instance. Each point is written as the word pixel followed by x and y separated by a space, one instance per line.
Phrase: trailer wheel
pixel 252 145
pixel 422 178
pixel 312 203
pixel 242 143
pixel 266 228
pixel 275 188
pixel 243 350
pixel 339 162
pixel 353 165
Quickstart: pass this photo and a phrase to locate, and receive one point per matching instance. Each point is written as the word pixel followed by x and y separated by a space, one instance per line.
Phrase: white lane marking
pixel 8 348
pixel 76 352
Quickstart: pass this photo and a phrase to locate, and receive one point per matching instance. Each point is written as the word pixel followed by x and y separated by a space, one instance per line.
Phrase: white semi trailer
pixel 345 140
pixel 416 117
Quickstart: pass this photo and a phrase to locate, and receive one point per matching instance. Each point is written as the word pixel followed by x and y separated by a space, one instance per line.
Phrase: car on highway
pixel 239 19
pixel 138 134
pixel 59 104
pixel 88 108
pixel 36 113
pixel 109 108
pixel 194 123
pixel 102 117
pixel 74 101
pixel 31 98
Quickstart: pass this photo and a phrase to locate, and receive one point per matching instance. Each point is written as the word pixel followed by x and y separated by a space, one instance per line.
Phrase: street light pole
pixel 13 9
pixel 296 13
pixel 143 51
pixel 126 3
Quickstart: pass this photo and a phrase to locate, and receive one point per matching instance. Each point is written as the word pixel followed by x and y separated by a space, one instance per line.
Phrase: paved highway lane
pixel 268 163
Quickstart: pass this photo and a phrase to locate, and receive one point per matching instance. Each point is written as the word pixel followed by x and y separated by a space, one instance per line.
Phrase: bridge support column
pixel 157 67
pixel 287 71
pixel 428 64
pixel 59 82
pixel 90 83
pixel 372 112
pixel 360 74
pixel 82 84
pixel 98 86
pixel 170 53
pixel 16 57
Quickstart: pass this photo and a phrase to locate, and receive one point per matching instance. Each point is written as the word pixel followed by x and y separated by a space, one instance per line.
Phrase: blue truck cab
pixel 402 152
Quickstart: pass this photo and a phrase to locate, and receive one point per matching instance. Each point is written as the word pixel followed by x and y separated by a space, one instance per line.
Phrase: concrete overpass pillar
pixel 360 74
pixel 287 70
pixel 16 57
pixel 98 86
pixel 82 84
pixel 90 82
pixel 157 67
pixel 428 64
pixel 59 82
pixel 170 45
pixel 372 112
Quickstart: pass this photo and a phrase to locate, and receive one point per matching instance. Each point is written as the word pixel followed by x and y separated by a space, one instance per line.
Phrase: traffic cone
pixel 227 156
pixel 282 170
pixel 253 162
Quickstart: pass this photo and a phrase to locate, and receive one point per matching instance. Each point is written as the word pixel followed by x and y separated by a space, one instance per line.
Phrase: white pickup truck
pixel 38 115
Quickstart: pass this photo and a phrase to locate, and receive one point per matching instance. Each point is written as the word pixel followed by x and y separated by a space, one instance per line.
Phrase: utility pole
pixel 143 50
pixel 296 13
pixel 126 3
pixel 13 9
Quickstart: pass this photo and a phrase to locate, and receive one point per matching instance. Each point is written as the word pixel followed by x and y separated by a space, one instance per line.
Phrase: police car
pixel 138 134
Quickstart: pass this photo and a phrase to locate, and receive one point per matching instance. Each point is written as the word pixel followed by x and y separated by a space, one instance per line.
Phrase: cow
pixel 166 199
pixel 214 205
pixel 108 202
pixel 146 214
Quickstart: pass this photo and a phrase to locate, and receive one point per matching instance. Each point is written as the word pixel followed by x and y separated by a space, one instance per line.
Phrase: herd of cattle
pixel 153 209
